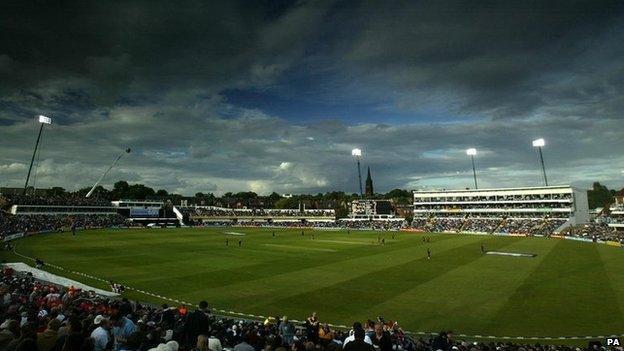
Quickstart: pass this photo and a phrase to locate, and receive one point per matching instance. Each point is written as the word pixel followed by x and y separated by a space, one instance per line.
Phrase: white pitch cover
pixel 55 279
pixel 512 254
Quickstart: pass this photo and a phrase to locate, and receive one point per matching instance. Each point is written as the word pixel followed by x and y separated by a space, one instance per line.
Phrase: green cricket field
pixel 568 288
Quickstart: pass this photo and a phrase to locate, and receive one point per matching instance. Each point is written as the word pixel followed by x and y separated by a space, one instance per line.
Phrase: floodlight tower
pixel 357 153
pixel 472 152
pixel 43 120
pixel 126 151
pixel 539 143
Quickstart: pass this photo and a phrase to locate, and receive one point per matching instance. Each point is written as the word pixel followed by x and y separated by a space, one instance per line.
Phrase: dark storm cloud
pixel 488 58
pixel 154 45
pixel 155 76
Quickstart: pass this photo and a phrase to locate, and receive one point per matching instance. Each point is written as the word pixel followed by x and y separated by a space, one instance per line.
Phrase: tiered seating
pixel 483 224
pixel 12 224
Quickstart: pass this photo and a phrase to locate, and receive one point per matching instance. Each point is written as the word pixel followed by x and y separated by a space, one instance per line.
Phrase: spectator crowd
pixel 339 224
pixel 57 215
pixel 214 211
pixel 543 226
pixel 52 200
pixel 12 224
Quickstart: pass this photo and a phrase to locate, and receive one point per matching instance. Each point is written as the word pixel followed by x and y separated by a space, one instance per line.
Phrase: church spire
pixel 369 185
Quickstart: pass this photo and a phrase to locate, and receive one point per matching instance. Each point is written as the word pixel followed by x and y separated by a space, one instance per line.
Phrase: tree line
pixel 335 199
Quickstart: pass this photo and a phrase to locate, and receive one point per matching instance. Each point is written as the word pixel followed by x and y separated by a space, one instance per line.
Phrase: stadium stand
pixel 614 215
pixel 595 232
pixel 13 224
pixel 146 212
pixel 204 214
pixel 339 224
pixel 31 214
pixel 64 200
pixel 522 211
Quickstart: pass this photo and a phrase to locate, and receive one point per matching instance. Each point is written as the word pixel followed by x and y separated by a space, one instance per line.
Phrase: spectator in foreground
pixel 351 337
pixel 47 339
pixel 100 335
pixel 358 344
pixel 287 331
pixel 214 344
pixel 122 329
pixel 381 338
pixel 75 342
pixel 10 332
pixel 326 335
pixel 244 345
pixel 312 327
pixel 196 323
pixel 202 343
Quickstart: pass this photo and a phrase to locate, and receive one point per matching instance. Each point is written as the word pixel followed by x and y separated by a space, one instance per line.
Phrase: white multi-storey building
pixel 525 210
pixel 616 212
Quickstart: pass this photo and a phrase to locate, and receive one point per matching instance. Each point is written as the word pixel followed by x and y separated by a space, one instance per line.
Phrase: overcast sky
pixel 273 95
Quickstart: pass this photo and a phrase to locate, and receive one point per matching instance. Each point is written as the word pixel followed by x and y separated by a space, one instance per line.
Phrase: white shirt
pixel 351 337
pixel 100 339
pixel 214 344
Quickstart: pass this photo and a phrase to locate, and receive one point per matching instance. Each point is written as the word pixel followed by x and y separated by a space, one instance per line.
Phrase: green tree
pixel 399 196
pixel 245 195
pixel 599 196
pixel 274 196
pixel 120 190
pixel 397 193
pixel 123 190
pixel 139 192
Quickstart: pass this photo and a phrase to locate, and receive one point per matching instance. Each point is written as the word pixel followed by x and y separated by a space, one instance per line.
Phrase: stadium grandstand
pixel 221 215
pixel 523 211
pixel 614 217
pixel 607 224
pixel 23 214
pixel 147 212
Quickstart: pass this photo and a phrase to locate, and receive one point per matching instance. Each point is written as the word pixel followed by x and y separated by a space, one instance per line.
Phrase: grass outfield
pixel 569 289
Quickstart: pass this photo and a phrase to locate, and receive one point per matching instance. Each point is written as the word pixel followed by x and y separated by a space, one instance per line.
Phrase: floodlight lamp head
pixel 539 142
pixel 45 120
pixel 471 152
pixel 356 152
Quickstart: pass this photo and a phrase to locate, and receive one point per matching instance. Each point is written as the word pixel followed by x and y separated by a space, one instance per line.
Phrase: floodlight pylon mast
pixel 539 150
pixel 105 173
pixel 360 177
pixel 474 171
pixel 42 121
